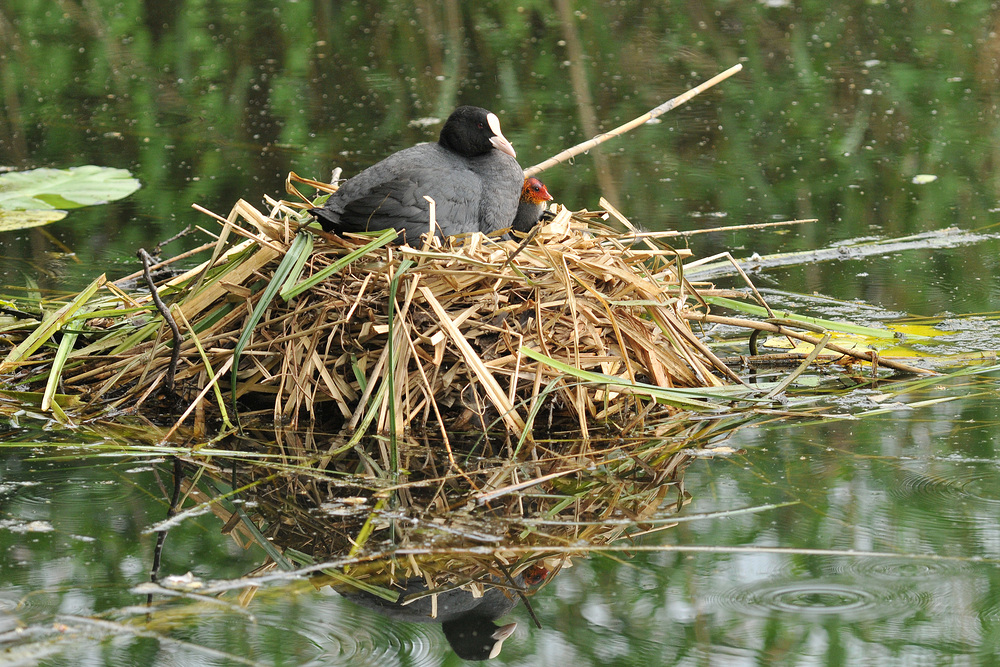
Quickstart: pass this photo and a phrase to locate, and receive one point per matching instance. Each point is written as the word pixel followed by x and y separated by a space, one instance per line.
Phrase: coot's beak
pixel 502 633
pixel 544 194
pixel 499 141
pixel 501 144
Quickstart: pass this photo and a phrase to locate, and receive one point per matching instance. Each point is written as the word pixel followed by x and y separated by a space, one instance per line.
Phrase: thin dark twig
pixel 20 314
pixel 519 591
pixel 175 355
pixel 184 232
pixel 161 535
pixel 521 246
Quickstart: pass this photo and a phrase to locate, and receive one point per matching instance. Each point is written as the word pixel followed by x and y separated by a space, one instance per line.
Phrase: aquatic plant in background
pixel 40 196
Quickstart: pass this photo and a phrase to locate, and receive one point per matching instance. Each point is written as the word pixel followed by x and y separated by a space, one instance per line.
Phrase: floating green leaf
pixel 47 189
pixel 12 220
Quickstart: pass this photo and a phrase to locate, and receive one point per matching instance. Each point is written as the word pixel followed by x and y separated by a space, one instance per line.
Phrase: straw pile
pixel 364 334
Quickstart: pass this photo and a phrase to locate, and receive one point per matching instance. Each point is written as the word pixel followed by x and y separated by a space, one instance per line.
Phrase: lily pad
pixel 11 220
pixel 48 189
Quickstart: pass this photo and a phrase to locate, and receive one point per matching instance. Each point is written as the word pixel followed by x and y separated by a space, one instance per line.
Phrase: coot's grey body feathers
pixel 470 173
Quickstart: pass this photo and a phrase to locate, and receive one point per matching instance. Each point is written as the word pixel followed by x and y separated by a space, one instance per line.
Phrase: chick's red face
pixel 534 191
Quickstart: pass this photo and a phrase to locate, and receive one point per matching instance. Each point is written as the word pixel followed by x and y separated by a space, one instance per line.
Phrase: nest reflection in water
pixel 452 543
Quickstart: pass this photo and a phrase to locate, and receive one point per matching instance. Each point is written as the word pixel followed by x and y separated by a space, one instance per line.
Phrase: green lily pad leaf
pixel 12 220
pixel 47 189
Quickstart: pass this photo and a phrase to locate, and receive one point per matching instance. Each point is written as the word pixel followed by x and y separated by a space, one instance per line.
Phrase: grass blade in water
pixel 843 327
pixel 692 399
pixel 58 362
pixel 48 328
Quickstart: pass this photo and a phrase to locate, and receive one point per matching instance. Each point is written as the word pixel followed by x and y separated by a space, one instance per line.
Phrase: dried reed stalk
pixel 632 124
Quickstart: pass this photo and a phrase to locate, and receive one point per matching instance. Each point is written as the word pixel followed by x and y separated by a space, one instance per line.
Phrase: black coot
pixel 471 174
pixel 534 194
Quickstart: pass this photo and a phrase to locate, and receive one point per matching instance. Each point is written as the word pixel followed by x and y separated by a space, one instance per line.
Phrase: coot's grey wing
pixel 400 204
pixel 456 201
pixel 389 204
pixel 392 196
pixel 368 186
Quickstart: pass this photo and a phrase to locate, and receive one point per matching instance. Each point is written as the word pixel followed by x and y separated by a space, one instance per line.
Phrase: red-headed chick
pixel 529 209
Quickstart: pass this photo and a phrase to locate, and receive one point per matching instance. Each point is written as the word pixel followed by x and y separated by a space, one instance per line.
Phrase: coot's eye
pixel 479 125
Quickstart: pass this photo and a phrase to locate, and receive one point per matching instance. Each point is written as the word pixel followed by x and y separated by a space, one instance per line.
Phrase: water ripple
pixel 824 597
pixel 925 487
pixel 354 636
pixel 952 496
pixel 982 485
pixel 900 569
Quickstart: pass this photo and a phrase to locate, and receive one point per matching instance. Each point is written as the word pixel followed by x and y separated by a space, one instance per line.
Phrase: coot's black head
pixel 477 637
pixel 472 131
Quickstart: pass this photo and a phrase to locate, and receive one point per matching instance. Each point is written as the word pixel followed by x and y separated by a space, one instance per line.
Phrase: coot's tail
pixel 327 219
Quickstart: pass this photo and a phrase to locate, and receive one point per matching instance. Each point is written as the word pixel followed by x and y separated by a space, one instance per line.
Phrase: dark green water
pixel 839 107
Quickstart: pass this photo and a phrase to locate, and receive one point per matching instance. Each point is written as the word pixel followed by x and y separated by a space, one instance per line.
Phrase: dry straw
pixel 311 328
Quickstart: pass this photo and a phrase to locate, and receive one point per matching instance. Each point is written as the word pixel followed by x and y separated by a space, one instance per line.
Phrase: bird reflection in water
pixel 468 620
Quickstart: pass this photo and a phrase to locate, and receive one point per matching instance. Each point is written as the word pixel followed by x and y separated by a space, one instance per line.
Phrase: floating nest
pixel 358 333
